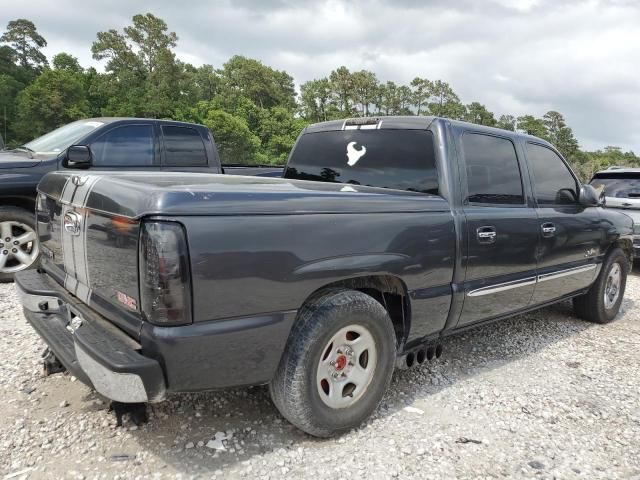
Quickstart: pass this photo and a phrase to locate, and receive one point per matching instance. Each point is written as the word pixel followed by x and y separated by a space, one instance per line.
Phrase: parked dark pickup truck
pixel 384 236
pixel 110 144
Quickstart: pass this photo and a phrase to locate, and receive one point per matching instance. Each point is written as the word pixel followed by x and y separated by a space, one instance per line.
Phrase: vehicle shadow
pixel 248 416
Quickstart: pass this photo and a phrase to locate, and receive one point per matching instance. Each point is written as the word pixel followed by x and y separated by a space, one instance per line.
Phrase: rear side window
pixel 619 185
pixel 493 173
pixel 398 159
pixel 553 182
pixel 128 145
pixel 183 146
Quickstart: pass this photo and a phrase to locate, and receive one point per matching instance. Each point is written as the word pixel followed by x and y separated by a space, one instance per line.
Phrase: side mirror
pixel 588 196
pixel 78 156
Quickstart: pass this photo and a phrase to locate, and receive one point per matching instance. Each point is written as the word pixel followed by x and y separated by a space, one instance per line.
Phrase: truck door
pixel 571 235
pixel 502 227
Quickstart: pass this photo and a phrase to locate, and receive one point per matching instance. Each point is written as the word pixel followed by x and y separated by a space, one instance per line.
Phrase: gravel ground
pixel 542 395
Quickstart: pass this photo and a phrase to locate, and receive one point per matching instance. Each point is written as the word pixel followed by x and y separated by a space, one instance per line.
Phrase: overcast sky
pixel 580 57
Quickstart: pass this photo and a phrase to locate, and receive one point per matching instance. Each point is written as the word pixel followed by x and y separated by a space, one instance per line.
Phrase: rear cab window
pixel 183 147
pixel 493 172
pixel 396 159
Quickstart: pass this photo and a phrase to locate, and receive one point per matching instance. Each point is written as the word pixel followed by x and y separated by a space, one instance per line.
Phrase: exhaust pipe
pixel 410 359
pixel 438 350
pixel 431 352
pixel 421 356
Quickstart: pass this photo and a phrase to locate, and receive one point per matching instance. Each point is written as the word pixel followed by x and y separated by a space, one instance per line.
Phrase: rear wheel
pixel 337 363
pixel 602 302
pixel 18 242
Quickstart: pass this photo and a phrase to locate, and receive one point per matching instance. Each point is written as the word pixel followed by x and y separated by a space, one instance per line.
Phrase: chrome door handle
pixel 486 234
pixel 548 229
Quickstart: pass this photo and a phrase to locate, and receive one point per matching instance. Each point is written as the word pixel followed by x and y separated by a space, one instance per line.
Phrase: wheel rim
pixel 346 367
pixel 18 246
pixel 612 286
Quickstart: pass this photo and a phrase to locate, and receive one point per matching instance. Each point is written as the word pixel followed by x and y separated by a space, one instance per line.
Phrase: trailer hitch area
pixel 51 364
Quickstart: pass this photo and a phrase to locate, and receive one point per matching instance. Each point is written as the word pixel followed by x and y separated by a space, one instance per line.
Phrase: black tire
pixel 294 388
pixel 591 306
pixel 21 215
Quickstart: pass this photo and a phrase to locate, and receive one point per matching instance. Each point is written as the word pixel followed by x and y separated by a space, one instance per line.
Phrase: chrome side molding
pixel 501 287
pixel 564 273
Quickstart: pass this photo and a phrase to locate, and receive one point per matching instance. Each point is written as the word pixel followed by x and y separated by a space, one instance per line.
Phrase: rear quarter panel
pixel 249 265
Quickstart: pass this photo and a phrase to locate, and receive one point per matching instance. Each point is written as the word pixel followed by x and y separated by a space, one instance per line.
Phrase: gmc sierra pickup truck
pixel 384 236
pixel 110 144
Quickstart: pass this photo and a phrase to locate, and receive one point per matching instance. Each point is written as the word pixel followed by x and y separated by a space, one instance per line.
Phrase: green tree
pixel 264 86
pixel 56 97
pixel 443 101
pixel 236 143
pixel 421 89
pixel 342 86
pixel 315 97
pixel 23 37
pixel 559 134
pixel 365 85
pixel 532 126
pixel 142 67
pixel 64 61
pixel 507 122
pixel 478 113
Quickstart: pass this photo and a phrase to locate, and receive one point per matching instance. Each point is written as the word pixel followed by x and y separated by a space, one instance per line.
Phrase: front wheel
pixel 18 242
pixel 602 302
pixel 337 363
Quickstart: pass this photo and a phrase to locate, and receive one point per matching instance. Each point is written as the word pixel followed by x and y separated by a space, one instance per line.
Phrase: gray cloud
pixel 516 56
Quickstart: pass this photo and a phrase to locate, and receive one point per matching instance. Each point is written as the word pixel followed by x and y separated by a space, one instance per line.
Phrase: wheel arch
pixel 26 203
pixel 388 290
pixel 625 244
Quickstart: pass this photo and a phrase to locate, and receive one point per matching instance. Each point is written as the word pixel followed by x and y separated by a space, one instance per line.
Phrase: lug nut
pixel 6 252
pixel 8 239
pixel 14 250
pixel 332 363
pixel 16 242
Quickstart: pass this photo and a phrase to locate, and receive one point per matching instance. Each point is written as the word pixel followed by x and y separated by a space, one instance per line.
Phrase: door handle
pixel 548 230
pixel 486 234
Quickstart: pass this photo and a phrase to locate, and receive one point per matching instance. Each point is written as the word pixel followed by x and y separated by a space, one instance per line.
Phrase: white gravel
pixel 542 395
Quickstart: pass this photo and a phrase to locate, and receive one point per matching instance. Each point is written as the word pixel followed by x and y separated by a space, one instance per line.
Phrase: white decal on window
pixel 353 154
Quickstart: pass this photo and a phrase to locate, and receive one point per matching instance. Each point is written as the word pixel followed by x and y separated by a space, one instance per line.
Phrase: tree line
pixel 253 110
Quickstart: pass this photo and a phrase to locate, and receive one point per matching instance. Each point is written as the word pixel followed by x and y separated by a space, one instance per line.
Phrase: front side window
pixel 493 173
pixel 183 146
pixel 553 182
pixel 128 145
pixel 398 159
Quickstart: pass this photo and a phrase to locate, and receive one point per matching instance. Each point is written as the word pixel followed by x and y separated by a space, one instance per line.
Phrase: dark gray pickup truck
pixel 384 236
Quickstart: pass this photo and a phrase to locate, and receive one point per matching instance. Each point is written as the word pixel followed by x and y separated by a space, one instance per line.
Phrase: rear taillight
pixel 165 278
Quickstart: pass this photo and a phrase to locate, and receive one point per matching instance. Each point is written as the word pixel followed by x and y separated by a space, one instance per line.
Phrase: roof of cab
pixel 410 122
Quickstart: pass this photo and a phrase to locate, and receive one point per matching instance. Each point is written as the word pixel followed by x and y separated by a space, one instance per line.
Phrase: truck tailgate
pixel 71 233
